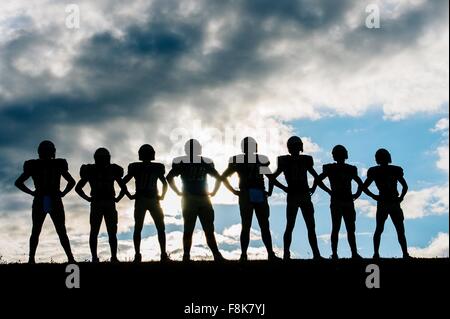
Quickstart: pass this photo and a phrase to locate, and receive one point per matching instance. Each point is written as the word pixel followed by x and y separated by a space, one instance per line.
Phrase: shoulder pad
pixel 28 166
pixel 117 170
pixel 309 161
pixel 62 164
pixel 264 160
pixel 161 168
pixel 207 161
pixel 179 160
pixel 85 171
pixel 236 159
pixel 372 172
pixel 327 167
pixel 132 168
pixel 398 171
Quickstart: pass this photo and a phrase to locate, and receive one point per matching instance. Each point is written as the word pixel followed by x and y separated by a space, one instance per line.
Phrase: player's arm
pixel 228 172
pixel 273 181
pixel 214 173
pixel 405 188
pixel 70 183
pixel 79 188
pixel 318 182
pixel 165 187
pixel 171 180
pixel 123 188
pixel 125 191
pixel 366 189
pixel 20 184
pixel 360 183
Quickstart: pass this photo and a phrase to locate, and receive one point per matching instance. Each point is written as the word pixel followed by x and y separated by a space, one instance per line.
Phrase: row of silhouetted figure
pixel 251 167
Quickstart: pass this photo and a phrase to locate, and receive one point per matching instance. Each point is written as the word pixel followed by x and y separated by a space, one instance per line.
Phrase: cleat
pixel 165 258
pixel 114 260
pixel 137 258
pixel 357 256
pixel 318 257
pixel 273 257
pixel 219 258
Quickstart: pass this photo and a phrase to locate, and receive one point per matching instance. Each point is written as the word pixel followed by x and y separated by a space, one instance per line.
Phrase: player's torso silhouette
pixel 194 174
pixel 341 176
pixel 46 175
pixel 146 177
pixel 295 169
pixel 101 180
pixel 250 170
pixel 386 179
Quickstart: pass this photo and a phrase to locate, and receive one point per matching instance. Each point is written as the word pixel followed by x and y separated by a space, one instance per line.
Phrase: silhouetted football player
pixel 295 168
pixel 46 173
pixel 341 176
pixel 386 178
pixel 101 177
pixel 146 175
pixel 193 170
pixel 251 168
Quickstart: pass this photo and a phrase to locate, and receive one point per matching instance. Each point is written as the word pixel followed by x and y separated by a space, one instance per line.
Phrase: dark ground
pixel 289 290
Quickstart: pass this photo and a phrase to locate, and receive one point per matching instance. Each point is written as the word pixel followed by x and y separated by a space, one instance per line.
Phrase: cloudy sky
pixel 163 71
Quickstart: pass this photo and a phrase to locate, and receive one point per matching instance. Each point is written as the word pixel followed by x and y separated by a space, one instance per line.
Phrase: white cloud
pixel 442 150
pixel 326 238
pixel 438 247
pixel 418 204
pixel 443 161
pixel 234 232
pixel 366 207
pixel 426 202
pixel 441 126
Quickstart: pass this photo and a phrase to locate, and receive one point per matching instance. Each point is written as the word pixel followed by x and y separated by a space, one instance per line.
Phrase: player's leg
pixel 291 217
pixel 58 217
pixel 190 218
pixel 381 217
pixel 96 218
pixel 398 220
pixel 246 211
pixel 262 212
pixel 140 209
pixel 308 215
pixel 336 220
pixel 158 218
pixel 111 221
pixel 38 218
pixel 350 225
pixel 206 216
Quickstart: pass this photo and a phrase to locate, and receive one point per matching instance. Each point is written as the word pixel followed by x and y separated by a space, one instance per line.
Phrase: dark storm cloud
pixel 316 14
pixel 122 76
pixel 399 33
